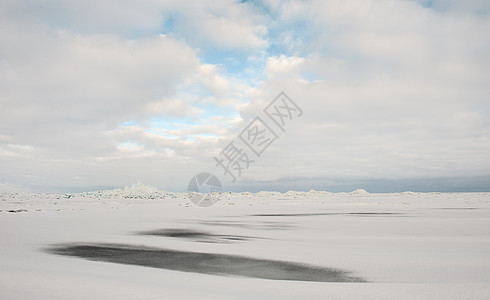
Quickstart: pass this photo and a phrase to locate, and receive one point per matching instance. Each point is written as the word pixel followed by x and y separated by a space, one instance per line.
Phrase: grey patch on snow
pixel 199 236
pixel 204 263
pixel 294 215
pixel 375 214
pixel 253 225
pixel 16 210
pixel 326 214
pixel 464 208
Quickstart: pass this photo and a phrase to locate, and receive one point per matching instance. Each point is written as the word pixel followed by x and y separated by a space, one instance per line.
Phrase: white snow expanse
pixel 402 245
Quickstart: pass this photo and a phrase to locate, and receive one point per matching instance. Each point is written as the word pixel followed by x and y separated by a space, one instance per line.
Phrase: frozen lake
pixel 317 245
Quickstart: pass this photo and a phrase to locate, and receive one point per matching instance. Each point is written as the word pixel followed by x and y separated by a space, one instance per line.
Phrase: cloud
pixel 398 92
pixel 64 91
pixel 105 93
pixel 172 108
pixel 222 24
pixel 479 7
pixel 283 66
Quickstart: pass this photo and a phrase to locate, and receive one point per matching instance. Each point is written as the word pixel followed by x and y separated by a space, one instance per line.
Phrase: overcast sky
pixel 395 94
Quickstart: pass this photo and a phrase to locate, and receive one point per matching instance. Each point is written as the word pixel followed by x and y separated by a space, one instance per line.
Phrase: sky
pixel 389 95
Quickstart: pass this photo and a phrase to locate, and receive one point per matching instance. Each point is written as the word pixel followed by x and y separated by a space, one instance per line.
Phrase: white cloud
pixel 223 23
pixel 479 7
pixel 283 66
pixel 389 89
pixel 173 108
pixel 399 92
pixel 61 94
pixel 65 90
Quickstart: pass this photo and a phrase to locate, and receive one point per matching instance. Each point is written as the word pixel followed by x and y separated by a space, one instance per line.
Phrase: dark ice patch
pixel 204 263
pixel 196 235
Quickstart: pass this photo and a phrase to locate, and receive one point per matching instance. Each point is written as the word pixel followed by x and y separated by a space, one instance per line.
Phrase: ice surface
pixel 405 245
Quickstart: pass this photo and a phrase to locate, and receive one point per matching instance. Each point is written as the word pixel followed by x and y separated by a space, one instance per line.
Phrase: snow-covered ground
pixel 399 246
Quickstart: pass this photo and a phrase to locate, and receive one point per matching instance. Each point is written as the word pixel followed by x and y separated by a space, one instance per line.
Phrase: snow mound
pixel 135 191
pixel 140 189
pixel 359 192
pixel 268 194
pixel 319 193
